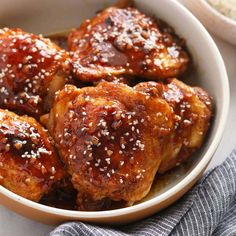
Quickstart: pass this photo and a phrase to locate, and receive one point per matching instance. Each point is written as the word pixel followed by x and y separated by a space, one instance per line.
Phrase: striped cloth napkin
pixel 208 209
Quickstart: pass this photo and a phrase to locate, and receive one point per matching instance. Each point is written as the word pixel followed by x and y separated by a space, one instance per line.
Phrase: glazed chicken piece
pixel 32 68
pixel 125 42
pixel 111 139
pixel 193 110
pixel 29 164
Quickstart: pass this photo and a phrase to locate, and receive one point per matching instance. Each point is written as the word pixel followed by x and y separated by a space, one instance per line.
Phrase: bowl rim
pixel 214 12
pixel 173 190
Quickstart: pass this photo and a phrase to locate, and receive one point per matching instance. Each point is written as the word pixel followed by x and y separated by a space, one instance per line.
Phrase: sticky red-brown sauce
pixel 65 198
pixel 125 41
pixel 27 65
pixel 29 145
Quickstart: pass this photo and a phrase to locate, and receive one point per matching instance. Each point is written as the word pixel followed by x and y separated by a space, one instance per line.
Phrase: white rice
pixel 226 7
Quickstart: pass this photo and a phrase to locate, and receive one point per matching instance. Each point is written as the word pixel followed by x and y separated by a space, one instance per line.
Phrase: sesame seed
pixel 7 147
pixel 138 176
pixel 27 180
pixel 53 170
pixel 109 152
pixel 43 170
pixel 95 140
pixel 108 160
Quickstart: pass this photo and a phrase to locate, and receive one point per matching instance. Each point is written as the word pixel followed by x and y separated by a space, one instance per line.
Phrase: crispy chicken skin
pixel 29 164
pixel 125 42
pixel 32 68
pixel 193 111
pixel 111 139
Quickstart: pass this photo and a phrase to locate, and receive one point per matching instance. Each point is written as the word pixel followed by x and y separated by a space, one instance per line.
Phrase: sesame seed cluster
pixel 28 65
pixel 106 137
pixel 125 42
pixel 29 164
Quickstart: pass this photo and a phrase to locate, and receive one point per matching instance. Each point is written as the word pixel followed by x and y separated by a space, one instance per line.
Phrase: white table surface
pixel 12 224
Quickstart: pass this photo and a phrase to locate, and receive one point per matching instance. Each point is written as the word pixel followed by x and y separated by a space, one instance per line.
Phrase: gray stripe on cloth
pixel 208 209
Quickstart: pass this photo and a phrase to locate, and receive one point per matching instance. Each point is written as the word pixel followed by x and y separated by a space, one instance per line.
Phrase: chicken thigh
pixel 29 164
pixel 32 68
pixel 125 42
pixel 111 139
pixel 193 110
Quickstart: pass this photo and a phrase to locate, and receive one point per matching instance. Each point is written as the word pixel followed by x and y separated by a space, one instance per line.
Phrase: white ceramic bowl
pixel 209 73
pixel 214 21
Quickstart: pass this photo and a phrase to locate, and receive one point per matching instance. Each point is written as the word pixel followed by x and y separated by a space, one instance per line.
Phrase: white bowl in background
pixel 209 73
pixel 222 26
